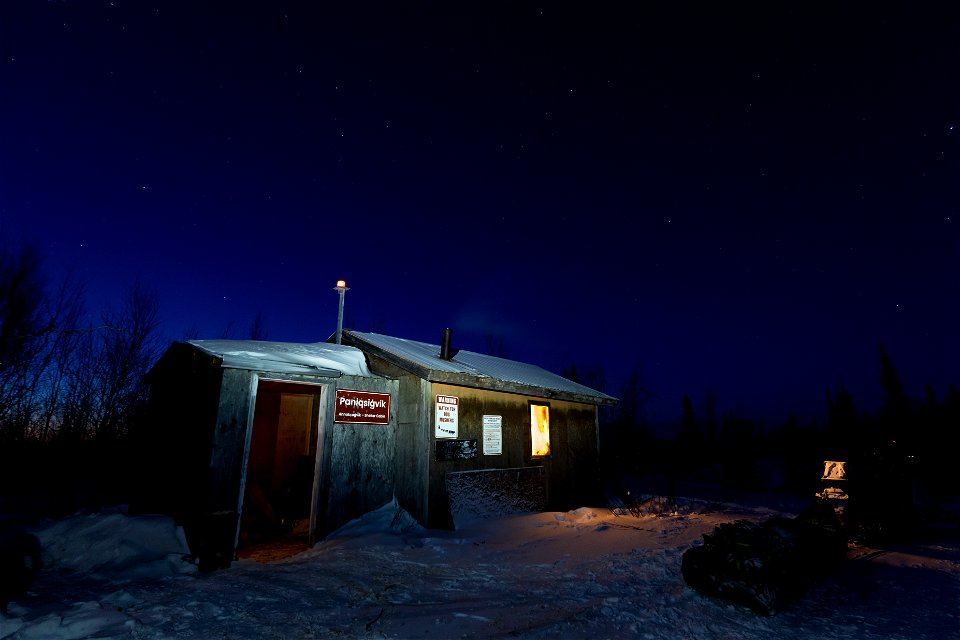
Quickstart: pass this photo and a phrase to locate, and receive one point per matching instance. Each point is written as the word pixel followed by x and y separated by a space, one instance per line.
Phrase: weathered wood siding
pixel 358 462
pixel 571 471
pixel 234 420
pixel 414 439
pixel 225 484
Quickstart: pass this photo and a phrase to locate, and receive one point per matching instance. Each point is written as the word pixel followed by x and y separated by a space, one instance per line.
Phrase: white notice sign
pixel 492 435
pixel 445 425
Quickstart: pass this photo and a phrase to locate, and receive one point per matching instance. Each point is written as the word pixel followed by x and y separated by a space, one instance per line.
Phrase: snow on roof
pixel 318 358
pixel 427 356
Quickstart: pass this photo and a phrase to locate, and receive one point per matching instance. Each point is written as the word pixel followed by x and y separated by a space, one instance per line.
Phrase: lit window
pixel 540 429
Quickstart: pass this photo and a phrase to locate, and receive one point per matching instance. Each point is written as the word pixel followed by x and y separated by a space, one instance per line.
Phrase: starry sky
pixel 735 200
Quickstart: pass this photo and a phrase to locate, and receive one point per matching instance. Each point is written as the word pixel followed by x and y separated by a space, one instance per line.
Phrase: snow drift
pixel 583 573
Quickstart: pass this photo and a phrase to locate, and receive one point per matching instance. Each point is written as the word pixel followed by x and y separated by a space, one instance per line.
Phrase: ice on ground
pixel 583 573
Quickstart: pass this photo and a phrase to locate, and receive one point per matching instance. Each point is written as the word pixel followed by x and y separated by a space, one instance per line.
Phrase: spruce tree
pixel 895 414
pixel 843 436
pixel 690 437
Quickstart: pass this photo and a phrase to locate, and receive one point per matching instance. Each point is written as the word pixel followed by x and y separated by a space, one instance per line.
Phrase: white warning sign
pixel 492 435
pixel 445 425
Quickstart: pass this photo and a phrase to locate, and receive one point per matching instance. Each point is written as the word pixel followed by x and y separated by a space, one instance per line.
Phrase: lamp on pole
pixel 342 289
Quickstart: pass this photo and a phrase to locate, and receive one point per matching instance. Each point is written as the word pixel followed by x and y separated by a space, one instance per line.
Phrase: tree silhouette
pixel 690 437
pixel 895 413
pixel 104 389
pixel 631 432
pixel 880 483
pixel 258 327
pixel 948 440
pixel 495 346
pixel 801 465
pixel 23 329
pixel 738 443
pixel 709 413
pixel 842 430
pixel 69 394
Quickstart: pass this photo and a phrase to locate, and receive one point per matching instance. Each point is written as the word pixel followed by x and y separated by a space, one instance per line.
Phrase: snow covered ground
pixel 582 574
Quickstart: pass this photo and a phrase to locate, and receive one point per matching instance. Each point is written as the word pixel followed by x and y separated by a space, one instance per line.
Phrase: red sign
pixel 361 407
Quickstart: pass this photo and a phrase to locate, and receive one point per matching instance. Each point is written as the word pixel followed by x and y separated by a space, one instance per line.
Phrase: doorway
pixel 281 464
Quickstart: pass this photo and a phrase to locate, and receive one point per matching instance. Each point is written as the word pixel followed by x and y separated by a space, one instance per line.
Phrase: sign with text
pixel 445 425
pixel 362 407
pixel 492 435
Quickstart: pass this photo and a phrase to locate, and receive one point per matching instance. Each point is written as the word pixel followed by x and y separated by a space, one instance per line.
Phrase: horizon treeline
pixel 907 446
pixel 72 392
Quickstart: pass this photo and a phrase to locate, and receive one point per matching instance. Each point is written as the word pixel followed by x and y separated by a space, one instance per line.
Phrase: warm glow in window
pixel 540 429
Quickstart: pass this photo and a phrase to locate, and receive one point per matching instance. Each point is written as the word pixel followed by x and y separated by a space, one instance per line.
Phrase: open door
pixel 281 464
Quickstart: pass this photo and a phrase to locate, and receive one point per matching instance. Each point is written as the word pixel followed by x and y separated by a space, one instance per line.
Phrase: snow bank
pixel 579 574
pixel 389 525
pixel 116 546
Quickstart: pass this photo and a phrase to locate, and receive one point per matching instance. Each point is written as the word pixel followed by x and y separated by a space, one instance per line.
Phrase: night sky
pixel 741 200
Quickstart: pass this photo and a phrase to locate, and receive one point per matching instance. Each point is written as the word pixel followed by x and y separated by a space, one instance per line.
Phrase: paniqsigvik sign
pixel 362 407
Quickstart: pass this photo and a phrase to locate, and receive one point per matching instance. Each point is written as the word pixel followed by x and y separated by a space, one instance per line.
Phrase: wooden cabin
pixel 479 435
pixel 250 442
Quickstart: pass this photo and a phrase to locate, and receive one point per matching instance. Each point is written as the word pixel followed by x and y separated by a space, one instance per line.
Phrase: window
pixel 540 429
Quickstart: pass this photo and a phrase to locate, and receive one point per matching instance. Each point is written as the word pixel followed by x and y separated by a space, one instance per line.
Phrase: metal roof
pixel 318 358
pixel 424 358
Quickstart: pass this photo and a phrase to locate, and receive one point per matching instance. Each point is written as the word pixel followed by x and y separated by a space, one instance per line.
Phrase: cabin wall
pixel 203 425
pixel 413 438
pixel 569 476
pixel 358 459
pixel 227 464
pixel 197 447
pixel 175 446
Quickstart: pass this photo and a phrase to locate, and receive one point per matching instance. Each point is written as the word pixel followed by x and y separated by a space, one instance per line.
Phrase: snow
pixel 584 573
pixel 111 545
pixel 287 357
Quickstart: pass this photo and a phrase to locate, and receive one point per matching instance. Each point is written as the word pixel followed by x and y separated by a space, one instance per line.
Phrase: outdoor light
pixel 341 288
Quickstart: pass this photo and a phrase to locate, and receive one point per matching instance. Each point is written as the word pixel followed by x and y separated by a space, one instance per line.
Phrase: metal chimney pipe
pixel 342 289
pixel 445 350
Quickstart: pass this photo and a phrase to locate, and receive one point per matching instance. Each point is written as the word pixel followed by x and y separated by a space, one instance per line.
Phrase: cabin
pixel 250 441
pixel 480 435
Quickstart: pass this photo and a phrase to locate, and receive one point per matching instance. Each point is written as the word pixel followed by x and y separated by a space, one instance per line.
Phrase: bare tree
pixel 105 389
pixel 22 331
pixel 66 311
pixel 128 348
pixel 258 328
pixel 495 346
pixel 191 333
pixel 57 378
pixel 229 331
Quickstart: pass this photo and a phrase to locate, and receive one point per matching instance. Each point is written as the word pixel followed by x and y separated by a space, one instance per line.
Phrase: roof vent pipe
pixel 446 352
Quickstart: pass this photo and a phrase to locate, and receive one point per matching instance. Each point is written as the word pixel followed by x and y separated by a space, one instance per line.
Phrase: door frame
pixel 322 395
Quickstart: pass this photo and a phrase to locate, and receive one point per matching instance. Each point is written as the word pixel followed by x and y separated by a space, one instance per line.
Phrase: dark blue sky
pixel 742 200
